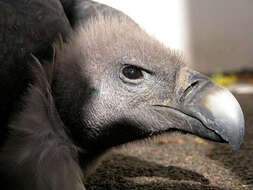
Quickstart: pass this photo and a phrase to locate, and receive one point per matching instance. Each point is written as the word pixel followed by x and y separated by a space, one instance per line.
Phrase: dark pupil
pixel 132 72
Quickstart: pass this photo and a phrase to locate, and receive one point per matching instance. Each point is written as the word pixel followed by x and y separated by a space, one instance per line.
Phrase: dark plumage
pixel 101 85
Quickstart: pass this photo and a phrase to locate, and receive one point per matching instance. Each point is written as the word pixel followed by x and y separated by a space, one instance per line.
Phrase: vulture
pixel 78 78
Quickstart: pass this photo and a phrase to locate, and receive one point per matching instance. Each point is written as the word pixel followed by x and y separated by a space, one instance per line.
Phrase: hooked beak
pixel 210 110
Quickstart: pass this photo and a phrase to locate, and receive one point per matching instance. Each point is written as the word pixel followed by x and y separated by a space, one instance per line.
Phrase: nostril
pixel 188 90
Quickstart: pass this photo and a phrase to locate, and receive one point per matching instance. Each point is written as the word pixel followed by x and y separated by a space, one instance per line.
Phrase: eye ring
pixel 132 74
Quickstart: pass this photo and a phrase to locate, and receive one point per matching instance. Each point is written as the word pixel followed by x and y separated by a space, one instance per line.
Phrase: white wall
pixel 213 34
pixel 162 19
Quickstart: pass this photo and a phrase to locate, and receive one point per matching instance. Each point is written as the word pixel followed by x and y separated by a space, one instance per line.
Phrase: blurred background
pixel 214 36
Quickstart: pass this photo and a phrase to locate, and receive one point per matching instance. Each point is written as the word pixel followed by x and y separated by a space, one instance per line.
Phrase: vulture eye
pixel 132 72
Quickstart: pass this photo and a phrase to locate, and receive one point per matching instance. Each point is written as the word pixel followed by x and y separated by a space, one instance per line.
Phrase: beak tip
pixel 236 140
pixel 228 116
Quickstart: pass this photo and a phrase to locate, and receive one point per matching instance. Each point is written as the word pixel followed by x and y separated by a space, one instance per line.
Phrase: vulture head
pixel 115 84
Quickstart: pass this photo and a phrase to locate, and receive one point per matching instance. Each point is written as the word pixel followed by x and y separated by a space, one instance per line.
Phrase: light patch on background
pixel 162 19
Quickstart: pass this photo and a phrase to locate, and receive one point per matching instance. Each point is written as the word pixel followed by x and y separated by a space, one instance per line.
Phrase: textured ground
pixel 179 162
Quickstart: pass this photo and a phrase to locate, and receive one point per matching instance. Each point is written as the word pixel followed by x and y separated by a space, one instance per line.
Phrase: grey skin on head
pixel 107 83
